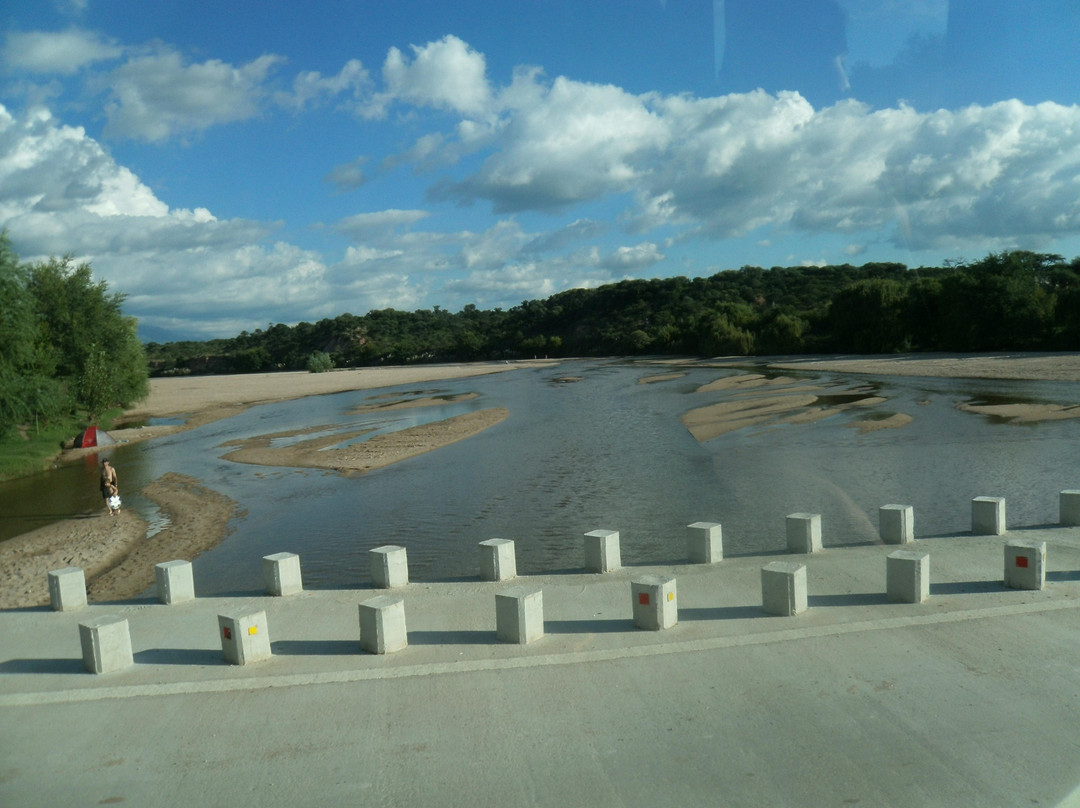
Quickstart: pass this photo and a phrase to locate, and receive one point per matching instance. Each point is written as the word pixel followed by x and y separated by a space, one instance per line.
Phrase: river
pixel 587 447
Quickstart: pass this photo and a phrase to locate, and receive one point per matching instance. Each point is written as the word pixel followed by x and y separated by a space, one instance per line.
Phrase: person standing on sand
pixel 109 487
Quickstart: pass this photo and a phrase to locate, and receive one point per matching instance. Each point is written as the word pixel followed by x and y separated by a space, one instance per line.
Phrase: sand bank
pixel 376 452
pixel 767 400
pixel 1060 367
pixel 114 552
pixel 220 396
pixel 758 400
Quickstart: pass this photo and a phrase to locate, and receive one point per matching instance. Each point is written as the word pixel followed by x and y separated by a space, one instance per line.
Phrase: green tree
pixel 80 319
pixel 28 393
pixel 867 317
pixel 96 383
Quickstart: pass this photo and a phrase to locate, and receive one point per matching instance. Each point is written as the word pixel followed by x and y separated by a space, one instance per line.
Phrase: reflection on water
pixel 586 447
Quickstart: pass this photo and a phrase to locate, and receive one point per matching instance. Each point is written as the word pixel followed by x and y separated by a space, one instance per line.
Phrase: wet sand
pixel 113 551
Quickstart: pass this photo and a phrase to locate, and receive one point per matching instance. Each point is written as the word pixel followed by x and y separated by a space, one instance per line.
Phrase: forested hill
pixel 1007 301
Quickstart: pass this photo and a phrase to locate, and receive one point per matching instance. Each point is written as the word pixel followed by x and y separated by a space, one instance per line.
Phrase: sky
pixel 231 165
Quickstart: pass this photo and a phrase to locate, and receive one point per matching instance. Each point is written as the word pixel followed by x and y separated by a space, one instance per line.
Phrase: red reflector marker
pixel 643 598
pixel 1021 561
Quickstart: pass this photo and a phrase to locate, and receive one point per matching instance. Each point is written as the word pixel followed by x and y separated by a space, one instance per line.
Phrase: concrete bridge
pixel 967 693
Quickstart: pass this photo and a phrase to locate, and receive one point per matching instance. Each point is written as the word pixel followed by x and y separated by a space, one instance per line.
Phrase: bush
pixel 320 362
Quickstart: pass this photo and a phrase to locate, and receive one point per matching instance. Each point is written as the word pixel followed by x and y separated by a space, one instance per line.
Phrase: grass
pixel 31 450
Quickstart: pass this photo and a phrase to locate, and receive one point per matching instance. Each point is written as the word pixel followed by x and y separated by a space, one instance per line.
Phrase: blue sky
pixel 228 165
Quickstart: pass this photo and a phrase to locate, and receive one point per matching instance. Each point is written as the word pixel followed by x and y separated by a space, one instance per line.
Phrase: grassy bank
pixel 31 450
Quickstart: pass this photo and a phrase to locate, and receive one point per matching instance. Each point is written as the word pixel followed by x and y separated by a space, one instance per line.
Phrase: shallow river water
pixel 587 447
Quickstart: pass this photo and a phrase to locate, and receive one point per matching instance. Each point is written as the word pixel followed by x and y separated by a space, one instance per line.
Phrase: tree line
pixel 67 351
pixel 1016 300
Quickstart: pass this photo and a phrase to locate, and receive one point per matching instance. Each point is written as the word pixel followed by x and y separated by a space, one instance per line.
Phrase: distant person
pixel 110 489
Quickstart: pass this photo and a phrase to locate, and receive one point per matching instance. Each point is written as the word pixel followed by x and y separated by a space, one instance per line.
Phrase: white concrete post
pixel 497 561
pixel 783 588
pixel 804 532
pixel 988 516
pixel 602 551
pixel 896 524
pixel 245 637
pixel 175 582
pixel 704 542
pixel 656 605
pixel 106 644
pixel 1025 564
pixel 907 576
pixel 67 589
pixel 382 625
pixel 1069 507
pixel 389 566
pixel 281 574
pixel 519 615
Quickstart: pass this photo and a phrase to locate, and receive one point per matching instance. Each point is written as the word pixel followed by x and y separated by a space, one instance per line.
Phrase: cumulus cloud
pixel 722 167
pixel 63 52
pixel 60 192
pixel 156 96
pixel 447 74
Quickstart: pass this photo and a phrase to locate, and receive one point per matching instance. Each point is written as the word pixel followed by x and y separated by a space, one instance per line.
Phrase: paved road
pixel 969 699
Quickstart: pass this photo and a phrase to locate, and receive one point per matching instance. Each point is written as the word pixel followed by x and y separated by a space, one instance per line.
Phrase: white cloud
pixel 349 176
pixel 48 168
pixel 447 74
pixel 63 52
pixel 572 143
pixel 369 225
pixel 157 96
pixel 995 176
pixel 311 87
pixel 633 259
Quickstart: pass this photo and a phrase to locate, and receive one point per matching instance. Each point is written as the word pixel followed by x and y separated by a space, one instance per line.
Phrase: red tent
pixel 92 436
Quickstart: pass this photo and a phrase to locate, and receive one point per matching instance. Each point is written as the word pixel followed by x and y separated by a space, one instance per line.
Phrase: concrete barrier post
pixel 907 576
pixel 602 551
pixel 656 605
pixel 245 637
pixel 389 566
pixel 704 543
pixel 175 582
pixel 497 561
pixel 783 588
pixel 281 574
pixel 896 524
pixel 804 532
pixel 67 589
pixel 382 625
pixel 106 644
pixel 1069 507
pixel 1025 564
pixel 519 615
pixel 988 516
